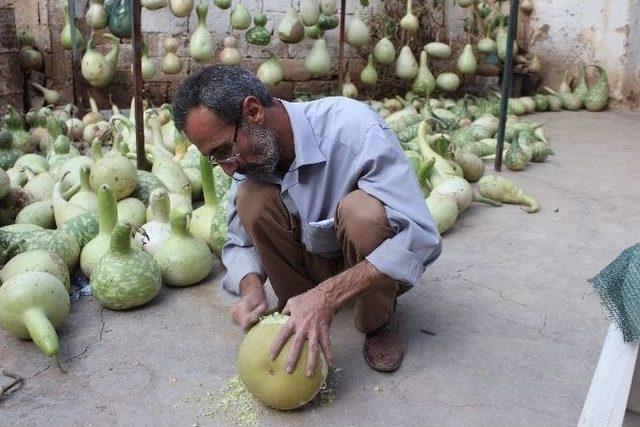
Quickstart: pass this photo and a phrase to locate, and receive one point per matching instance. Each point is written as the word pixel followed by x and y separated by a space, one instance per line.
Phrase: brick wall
pixel 45 18
pixel 10 77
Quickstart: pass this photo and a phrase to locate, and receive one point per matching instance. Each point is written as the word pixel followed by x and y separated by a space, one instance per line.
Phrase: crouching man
pixel 324 204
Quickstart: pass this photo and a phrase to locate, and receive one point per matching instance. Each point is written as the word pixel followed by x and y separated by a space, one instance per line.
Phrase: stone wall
pixel 10 77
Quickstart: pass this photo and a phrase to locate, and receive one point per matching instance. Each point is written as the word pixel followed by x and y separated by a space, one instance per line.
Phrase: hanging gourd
pixel 181 8
pixel 369 74
pixel 501 43
pixel 96 15
pixel 147 66
pixel 409 21
pixel 65 34
pixel 328 22
pixel 467 63
pixel 328 7
pixel 384 51
pixel 314 32
pixel 240 17
pixel 153 4
pixel 99 69
pixel 424 83
pixel 309 12
pixel 30 57
pixel 120 18
pixel 270 72
pixel 290 29
pixel 318 61
pixel 358 32
pixel 406 64
pixel 201 43
pixel 349 90
pixel 486 45
pixel 230 54
pixel 170 62
pixel 534 65
pixel 222 4
pixel 466 3
pixel 448 82
pixel 259 35
pixel 438 50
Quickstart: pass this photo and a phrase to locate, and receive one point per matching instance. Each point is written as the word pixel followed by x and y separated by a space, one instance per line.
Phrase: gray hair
pixel 222 89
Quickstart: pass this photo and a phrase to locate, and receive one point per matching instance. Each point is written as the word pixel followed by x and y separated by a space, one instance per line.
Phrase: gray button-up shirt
pixel 342 145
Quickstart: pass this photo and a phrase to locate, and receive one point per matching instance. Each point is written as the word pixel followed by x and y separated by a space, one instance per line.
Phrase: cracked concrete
pixel 504 330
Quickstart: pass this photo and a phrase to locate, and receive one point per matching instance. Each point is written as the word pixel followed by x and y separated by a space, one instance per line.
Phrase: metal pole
pixel 138 86
pixel 343 8
pixel 507 80
pixel 75 55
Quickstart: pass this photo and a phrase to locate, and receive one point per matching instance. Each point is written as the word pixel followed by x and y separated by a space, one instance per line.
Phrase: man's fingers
pixel 312 355
pixel 281 339
pixel 294 352
pixel 325 343
pixel 286 309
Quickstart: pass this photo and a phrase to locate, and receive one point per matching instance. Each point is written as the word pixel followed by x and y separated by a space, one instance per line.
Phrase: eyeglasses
pixel 229 156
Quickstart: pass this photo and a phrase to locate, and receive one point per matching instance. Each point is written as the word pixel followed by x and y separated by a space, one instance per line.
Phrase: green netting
pixel 618 285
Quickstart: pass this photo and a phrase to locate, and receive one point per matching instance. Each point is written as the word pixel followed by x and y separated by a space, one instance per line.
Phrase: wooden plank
pixel 633 404
pixel 609 391
pixel 137 79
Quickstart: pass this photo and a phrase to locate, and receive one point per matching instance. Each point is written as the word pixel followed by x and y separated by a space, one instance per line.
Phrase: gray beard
pixel 266 148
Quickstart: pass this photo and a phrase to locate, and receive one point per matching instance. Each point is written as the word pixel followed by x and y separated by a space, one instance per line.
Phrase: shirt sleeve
pixel 385 173
pixel 239 256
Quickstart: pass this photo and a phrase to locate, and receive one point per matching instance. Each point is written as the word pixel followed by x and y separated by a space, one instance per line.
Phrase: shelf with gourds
pixel 310 20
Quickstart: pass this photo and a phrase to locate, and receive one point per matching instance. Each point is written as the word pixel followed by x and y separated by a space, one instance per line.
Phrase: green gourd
pixel 107 219
pixel 240 17
pixel 32 306
pixel 68 26
pixel 125 277
pixel 258 35
pixel 369 74
pixel 183 259
pixel 8 153
pixel 37 260
pixel 424 83
pixel 597 96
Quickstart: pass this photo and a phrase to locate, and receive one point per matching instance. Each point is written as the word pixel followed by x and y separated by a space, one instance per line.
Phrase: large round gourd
pixel 38 260
pixel 125 277
pixel 267 379
pixel 32 305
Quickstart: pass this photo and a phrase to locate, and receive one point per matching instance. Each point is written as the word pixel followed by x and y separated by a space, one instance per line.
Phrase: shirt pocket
pixel 319 237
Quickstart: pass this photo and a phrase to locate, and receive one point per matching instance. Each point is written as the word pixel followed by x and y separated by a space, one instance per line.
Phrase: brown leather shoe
pixel 383 348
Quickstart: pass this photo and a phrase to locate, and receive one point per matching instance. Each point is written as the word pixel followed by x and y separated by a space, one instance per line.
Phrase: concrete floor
pixel 517 330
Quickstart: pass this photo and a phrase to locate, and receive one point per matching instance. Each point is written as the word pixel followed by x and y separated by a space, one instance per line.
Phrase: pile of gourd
pixel 127 230
pixel 447 142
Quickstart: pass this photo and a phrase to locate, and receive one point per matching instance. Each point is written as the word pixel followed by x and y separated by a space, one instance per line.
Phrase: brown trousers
pixel 361 224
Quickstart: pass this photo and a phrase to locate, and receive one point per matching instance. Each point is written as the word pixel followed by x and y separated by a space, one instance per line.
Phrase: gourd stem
pixel 41 331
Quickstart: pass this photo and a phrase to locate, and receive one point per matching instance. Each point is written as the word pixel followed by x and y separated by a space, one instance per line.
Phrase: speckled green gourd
pixel 597 96
pixel 83 228
pixel 32 305
pixel 107 219
pixel 125 277
pixel 266 379
pixel 50 240
pixel 515 158
pixel 8 153
pixel 183 259
pixel 147 182
pixel 37 260
pixel 506 191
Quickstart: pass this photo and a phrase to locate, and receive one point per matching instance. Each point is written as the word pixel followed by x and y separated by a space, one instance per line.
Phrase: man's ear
pixel 253 111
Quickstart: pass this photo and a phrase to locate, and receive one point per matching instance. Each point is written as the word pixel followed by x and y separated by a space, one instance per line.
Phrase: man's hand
pixel 252 304
pixel 311 316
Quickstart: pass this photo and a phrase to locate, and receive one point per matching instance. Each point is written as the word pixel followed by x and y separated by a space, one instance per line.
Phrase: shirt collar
pixel 304 139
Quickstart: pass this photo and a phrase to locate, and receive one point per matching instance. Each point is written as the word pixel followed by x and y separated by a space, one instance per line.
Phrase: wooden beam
pixel 75 62
pixel 138 84
pixel 606 401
